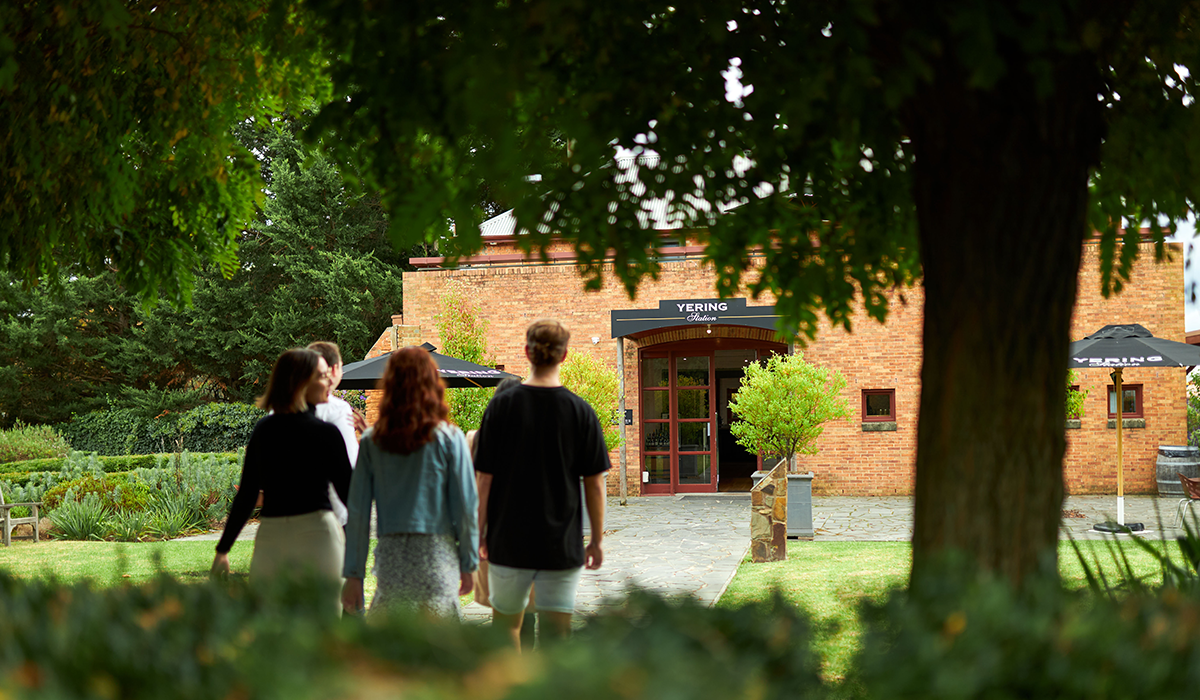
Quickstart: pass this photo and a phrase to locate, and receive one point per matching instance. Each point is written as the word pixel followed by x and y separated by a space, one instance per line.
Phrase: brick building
pixel 680 373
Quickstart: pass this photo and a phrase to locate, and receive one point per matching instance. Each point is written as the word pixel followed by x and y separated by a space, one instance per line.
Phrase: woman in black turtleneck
pixel 292 456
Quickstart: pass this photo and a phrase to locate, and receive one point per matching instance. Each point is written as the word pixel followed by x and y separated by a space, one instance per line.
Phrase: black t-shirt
pixel 292 458
pixel 537 442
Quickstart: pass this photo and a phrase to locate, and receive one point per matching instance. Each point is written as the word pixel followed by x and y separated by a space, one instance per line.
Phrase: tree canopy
pixel 117 152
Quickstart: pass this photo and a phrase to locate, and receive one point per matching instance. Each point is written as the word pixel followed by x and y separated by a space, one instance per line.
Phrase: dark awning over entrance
pixel 688 312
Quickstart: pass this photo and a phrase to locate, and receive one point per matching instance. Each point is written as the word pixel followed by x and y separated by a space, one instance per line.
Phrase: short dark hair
pixel 328 350
pixel 293 370
pixel 547 341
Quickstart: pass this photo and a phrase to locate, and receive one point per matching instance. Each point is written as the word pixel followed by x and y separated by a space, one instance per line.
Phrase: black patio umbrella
pixel 1121 346
pixel 458 374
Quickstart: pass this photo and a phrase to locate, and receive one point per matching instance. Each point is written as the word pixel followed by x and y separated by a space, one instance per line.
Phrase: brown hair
pixel 547 341
pixel 328 350
pixel 413 403
pixel 293 370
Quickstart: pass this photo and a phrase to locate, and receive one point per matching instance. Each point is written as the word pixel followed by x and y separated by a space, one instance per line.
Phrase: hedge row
pixel 19 472
pixel 214 427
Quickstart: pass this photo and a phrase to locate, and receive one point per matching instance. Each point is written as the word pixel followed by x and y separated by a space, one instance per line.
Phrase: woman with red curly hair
pixel 417 470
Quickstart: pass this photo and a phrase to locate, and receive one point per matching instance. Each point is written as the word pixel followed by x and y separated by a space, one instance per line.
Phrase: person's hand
pixel 466 583
pixel 352 595
pixel 360 421
pixel 594 555
pixel 482 549
pixel 220 566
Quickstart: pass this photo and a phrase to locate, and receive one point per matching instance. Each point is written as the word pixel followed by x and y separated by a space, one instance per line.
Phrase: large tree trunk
pixel 1001 195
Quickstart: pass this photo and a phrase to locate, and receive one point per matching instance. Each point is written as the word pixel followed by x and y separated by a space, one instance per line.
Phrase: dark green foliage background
pixel 317 265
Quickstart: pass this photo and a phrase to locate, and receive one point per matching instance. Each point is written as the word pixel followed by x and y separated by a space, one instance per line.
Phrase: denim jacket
pixel 431 491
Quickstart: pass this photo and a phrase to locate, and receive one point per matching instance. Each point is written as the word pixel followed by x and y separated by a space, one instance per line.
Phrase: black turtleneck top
pixel 291 457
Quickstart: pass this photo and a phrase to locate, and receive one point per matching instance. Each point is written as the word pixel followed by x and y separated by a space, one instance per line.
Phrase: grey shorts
pixel 509 589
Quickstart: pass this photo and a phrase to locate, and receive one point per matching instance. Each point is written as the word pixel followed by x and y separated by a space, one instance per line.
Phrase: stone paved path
pixel 693 544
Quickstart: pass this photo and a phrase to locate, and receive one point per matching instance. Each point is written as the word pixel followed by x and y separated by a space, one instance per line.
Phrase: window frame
pixel 891 417
pixel 1138 400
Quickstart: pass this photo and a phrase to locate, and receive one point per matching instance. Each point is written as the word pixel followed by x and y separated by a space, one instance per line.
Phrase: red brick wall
pixel 875 356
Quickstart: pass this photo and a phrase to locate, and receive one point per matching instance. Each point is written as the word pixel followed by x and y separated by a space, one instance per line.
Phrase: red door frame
pixel 670 351
pixel 692 349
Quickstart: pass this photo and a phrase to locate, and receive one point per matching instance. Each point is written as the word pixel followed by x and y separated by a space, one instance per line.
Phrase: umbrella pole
pixel 1120 465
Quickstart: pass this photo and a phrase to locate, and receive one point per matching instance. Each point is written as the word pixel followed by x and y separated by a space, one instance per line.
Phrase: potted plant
pixel 781 408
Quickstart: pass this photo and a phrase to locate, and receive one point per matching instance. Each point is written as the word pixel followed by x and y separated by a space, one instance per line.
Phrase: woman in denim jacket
pixel 417 469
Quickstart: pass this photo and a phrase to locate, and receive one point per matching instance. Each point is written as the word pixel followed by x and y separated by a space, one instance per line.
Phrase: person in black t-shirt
pixel 536 442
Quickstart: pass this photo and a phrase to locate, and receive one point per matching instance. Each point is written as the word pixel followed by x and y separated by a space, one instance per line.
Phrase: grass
pixel 831 580
pixel 108 564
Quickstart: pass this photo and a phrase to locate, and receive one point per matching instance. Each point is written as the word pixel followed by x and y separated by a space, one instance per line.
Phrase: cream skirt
pixel 288 545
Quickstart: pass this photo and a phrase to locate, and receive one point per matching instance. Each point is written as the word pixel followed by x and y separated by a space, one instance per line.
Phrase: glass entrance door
pixel 678 422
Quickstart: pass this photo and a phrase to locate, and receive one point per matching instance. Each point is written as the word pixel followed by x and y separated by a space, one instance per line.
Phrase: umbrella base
pixel 1118 528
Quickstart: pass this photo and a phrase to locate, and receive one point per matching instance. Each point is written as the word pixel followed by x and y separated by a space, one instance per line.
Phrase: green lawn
pixel 830 579
pixel 115 563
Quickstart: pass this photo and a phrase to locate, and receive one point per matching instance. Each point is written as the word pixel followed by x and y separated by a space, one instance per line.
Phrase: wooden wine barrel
pixel 1174 460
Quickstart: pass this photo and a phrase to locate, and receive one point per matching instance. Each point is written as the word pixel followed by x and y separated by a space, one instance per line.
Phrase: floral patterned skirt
pixel 416 572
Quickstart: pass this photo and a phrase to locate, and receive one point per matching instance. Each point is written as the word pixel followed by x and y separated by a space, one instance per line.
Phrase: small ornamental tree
pixel 464 335
pixel 1075 397
pixel 783 405
pixel 599 385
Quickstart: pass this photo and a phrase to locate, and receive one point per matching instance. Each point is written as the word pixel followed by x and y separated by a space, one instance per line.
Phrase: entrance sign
pixel 685 312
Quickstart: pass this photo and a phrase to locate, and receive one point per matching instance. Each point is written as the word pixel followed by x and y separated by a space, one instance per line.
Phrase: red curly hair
pixel 413 403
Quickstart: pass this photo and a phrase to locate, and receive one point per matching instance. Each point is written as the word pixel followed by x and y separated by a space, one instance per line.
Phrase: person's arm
pixel 358 505
pixel 243 503
pixel 464 501
pixel 595 465
pixel 483 482
pixel 593 496
pixel 358 529
pixel 340 470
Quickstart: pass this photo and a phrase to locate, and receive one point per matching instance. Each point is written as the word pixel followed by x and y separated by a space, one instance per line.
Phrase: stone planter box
pixel 799 506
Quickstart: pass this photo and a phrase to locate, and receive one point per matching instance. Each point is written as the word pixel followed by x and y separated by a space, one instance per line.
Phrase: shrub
pixel 24 442
pixel 172 515
pixel 958 637
pixel 80 519
pixel 84 486
pixel 213 427
pixel 171 639
pixel 130 525
pixel 107 464
pixel 219 427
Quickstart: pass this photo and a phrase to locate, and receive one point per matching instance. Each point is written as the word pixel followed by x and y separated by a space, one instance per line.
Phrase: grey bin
pixel 799 504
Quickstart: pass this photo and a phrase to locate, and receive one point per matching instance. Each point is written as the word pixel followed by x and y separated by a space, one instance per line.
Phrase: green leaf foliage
pixel 316 266
pixel 1075 397
pixel 107 464
pixel 783 404
pixel 129 105
pixel 965 637
pixel 30 442
pixel 463 335
pixel 599 385
pixel 207 428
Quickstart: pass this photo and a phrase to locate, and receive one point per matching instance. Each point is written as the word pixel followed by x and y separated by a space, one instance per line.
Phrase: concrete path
pixel 693 544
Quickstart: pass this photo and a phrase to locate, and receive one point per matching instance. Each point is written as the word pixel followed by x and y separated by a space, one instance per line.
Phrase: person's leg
pixel 556 603
pixel 529 626
pixel 556 627
pixel 509 594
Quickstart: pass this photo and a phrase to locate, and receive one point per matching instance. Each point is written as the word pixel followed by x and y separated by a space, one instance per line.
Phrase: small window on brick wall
pixel 878 405
pixel 1131 407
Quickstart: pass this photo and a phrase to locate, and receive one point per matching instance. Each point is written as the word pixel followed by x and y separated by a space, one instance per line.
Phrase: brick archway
pixel 701 332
